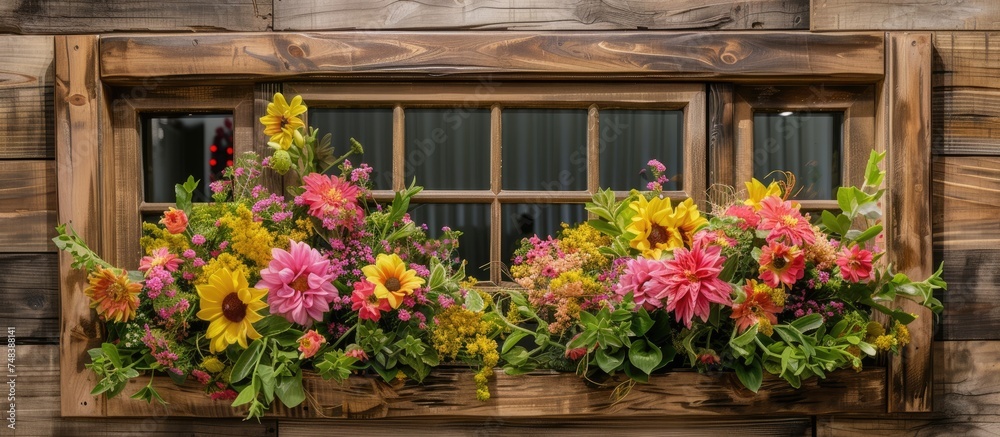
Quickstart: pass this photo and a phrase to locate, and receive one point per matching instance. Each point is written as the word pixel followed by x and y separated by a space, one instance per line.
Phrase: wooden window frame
pixel 897 64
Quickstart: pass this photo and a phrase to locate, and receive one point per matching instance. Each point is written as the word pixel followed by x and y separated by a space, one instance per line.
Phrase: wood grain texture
pixel 451 393
pixel 721 136
pixel 966 93
pixel 27 206
pixel 71 16
pixel 966 204
pixel 79 114
pixel 909 224
pixel 29 296
pixel 827 15
pixel 744 56
pixel 26 85
pixel 310 15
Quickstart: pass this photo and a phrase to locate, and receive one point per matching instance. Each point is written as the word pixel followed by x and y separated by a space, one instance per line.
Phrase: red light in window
pixel 212 162
pixel 213 148
pixel 229 150
pixel 229 163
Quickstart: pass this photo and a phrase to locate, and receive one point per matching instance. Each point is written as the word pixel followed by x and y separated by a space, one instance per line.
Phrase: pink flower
pixel 692 282
pixel 717 237
pixel 783 220
pixel 174 220
pixel 748 218
pixel 198 239
pixel 299 287
pixel 332 200
pixel 310 342
pixel 202 377
pixel 225 395
pixel 781 264
pixel 357 353
pixel 639 280
pixel 160 257
pixel 855 264
pixel 364 301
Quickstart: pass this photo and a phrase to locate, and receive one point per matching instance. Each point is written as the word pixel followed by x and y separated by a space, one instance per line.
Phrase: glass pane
pixel 372 127
pixel 177 146
pixel 630 138
pixel 474 222
pixel 808 144
pixel 524 220
pixel 545 149
pixel 448 149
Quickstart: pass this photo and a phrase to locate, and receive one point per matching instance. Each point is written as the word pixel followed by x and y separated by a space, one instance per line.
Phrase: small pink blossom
pixel 310 343
pixel 160 257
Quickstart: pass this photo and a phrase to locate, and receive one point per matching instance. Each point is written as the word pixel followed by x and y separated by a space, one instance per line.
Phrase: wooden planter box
pixel 451 392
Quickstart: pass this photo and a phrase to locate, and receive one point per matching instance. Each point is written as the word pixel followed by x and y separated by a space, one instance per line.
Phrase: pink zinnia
pixel 748 218
pixel 717 237
pixel 855 264
pixel 364 301
pixel 781 264
pixel 332 200
pixel 692 282
pixel 783 220
pixel 160 257
pixel 639 280
pixel 299 286
pixel 310 342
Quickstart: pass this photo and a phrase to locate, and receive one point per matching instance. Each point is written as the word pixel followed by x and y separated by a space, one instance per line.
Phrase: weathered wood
pixel 452 393
pixel 29 295
pixel 78 104
pixel 68 16
pixel 721 134
pixel 26 86
pixel 27 206
pixel 742 56
pixel 909 225
pixel 904 15
pixel 962 425
pixel 310 15
pixel 966 100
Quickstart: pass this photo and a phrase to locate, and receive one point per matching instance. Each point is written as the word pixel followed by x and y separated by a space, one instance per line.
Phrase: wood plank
pixel 450 392
pixel 966 203
pixel 966 97
pixel 721 135
pixel 953 426
pixel 27 231
pixel 909 231
pixel 743 56
pixel 27 206
pixel 311 15
pixel 905 15
pixel 62 16
pixel 79 97
pixel 29 295
pixel 489 426
pixel 26 83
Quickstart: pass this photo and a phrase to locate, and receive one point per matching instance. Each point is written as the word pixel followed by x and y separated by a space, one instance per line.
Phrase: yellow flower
pixel 658 227
pixel 282 119
pixel 212 365
pixel 393 281
pixel 250 238
pixel 756 192
pixel 113 295
pixel 230 306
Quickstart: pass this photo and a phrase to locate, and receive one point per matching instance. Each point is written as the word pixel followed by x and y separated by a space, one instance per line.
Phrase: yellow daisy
pixel 230 306
pixel 756 192
pixel 282 120
pixel 113 295
pixel 393 281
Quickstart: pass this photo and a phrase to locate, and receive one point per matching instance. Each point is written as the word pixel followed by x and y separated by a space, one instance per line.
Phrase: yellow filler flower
pixel 282 119
pixel 230 306
pixel 393 281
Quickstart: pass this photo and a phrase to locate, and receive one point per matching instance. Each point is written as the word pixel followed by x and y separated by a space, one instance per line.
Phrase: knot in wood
pixel 77 100
pixel 296 51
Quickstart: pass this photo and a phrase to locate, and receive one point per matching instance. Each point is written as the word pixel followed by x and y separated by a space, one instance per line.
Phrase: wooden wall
pixel 965 181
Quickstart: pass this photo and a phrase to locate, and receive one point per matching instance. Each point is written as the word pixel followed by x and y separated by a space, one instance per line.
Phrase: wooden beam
pixel 312 15
pixel 737 56
pixel 965 103
pixel 70 16
pixel 838 15
pixel 908 233
pixel 721 136
pixel 26 87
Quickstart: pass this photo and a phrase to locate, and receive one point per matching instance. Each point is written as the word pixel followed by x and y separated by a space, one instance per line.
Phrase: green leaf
pixel 604 227
pixel 641 322
pixel 473 301
pixel 437 277
pixel 112 353
pixel 832 224
pixel 873 175
pixel 246 395
pixel 247 361
pixel 512 340
pixel 746 337
pixel 751 375
pixel 846 201
pixel 272 325
pixel 608 362
pixel 290 391
pixel 267 382
pixel 588 319
pixel 517 356
pixel 644 355
pixel 872 232
pixel 807 323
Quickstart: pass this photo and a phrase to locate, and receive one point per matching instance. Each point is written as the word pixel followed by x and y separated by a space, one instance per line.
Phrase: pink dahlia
pixel 781 264
pixel 160 257
pixel 747 217
pixel 784 220
pixel 300 287
pixel 639 280
pixel 332 200
pixel 692 282
pixel 366 303
pixel 855 264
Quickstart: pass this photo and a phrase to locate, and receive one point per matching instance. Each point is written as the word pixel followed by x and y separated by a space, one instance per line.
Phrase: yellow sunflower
pixel 282 120
pixel 393 281
pixel 113 295
pixel 658 227
pixel 230 306
pixel 756 192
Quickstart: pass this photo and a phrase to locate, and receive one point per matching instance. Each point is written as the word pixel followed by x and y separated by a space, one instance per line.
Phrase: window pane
pixel 808 144
pixel 448 149
pixel 524 220
pixel 474 222
pixel 177 146
pixel 372 127
pixel 630 138
pixel 544 149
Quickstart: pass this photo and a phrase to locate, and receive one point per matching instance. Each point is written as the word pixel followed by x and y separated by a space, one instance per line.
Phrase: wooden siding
pixel 966 96
pixel 26 90
pixel 827 15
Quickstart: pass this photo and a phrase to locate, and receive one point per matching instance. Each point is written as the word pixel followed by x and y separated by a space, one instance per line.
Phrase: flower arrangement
pixel 246 293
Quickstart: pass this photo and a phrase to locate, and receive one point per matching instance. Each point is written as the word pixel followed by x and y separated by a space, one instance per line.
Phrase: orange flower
pixel 757 309
pixel 174 220
pixel 113 295
pixel 310 342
